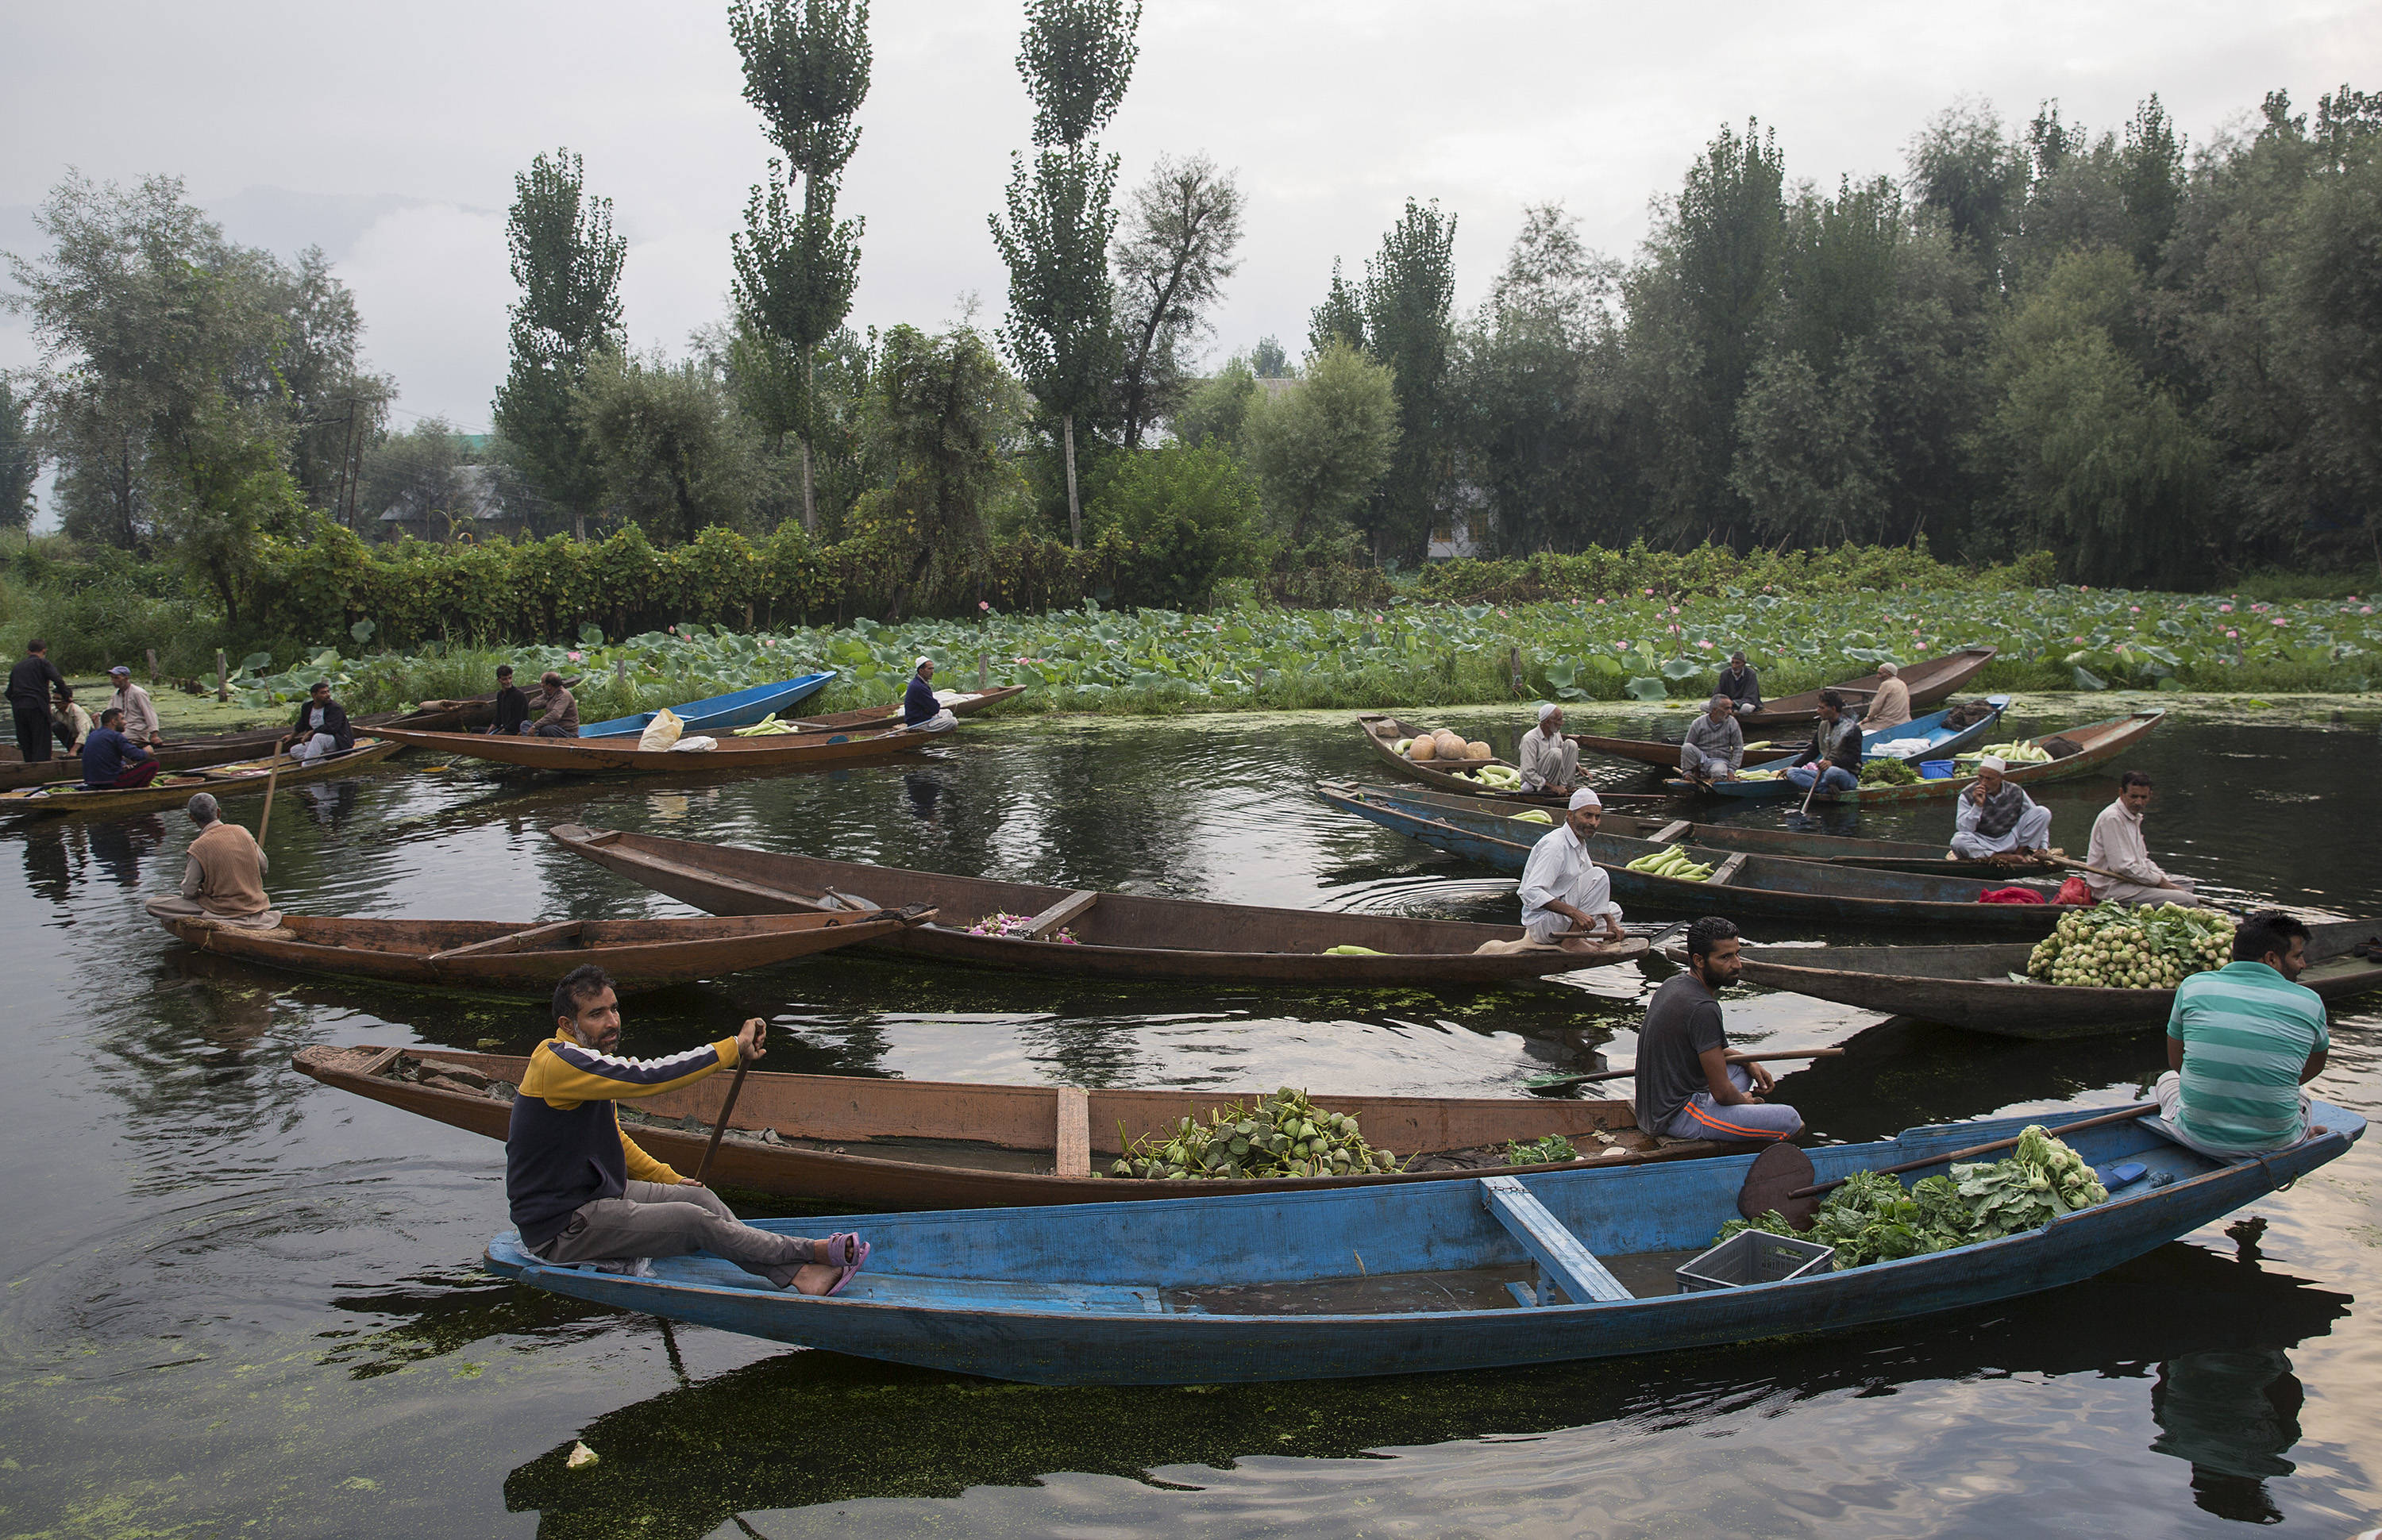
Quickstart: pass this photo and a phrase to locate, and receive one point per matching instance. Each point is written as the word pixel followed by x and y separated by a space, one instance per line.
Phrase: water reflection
pixel 2232 1415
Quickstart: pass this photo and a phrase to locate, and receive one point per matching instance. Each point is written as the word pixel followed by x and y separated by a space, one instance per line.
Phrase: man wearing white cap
pixel 1549 761
pixel 919 707
pixel 1566 896
pixel 1890 707
pixel 1996 818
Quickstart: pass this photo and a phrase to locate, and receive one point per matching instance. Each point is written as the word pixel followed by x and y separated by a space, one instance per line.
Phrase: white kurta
pixel 1545 761
pixel 2118 847
pixel 1560 870
pixel 2031 832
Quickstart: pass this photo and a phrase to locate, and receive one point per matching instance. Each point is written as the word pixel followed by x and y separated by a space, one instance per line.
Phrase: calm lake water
pixel 241 1303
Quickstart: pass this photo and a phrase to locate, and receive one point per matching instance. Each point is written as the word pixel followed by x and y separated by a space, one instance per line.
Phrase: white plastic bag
pixel 663 732
pixel 694 745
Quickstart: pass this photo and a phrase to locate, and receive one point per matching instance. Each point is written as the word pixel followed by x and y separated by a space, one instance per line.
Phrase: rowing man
pixel 1687 1087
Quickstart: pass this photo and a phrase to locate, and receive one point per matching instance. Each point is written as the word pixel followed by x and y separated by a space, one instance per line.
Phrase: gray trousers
pixel 654 1220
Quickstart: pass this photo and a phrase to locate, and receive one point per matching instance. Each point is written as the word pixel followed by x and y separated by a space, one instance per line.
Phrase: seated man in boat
pixel 223 878
pixel 919 707
pixel 1742 685
pixel 1834 753
pixel 1549 761
pixel 1716 747
pixel 71 722
pixel 2242 1040
pixel 113 761
pixel 560 718
pixel 322 727
pixel 1890 707
pixel 1567 897
pixel 1996 817
pixel 1687 1087
pixel 581 1190
pixel 2117 848
pixel 513 706
pixel 140 711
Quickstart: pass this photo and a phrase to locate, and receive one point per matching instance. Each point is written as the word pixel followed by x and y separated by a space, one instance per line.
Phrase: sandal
pixel 853 1247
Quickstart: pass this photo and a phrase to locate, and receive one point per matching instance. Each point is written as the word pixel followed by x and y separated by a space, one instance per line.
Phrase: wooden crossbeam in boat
pixel 1670 831
pixel 1572 1265
pixel 1727 870
pixel 1075 1144
pixel 512 941
pixel 1060 913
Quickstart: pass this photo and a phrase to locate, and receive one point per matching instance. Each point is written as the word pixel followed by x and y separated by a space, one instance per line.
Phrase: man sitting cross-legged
pixel 581 1190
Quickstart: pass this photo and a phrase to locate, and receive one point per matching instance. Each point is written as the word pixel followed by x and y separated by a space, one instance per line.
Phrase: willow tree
pixel 1076 60
pixel 806 67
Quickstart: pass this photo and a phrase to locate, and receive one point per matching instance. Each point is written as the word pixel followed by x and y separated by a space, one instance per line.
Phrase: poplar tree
pixel 567 261
pixel 1076 60
pixel 806 65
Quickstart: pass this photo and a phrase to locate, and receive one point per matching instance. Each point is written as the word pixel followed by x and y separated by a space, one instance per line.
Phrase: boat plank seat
pixel 518 941
pixel 1670 831
pixel 1728 869
pixel 1560 1256
pixel 1066 909
pixel 1074 1138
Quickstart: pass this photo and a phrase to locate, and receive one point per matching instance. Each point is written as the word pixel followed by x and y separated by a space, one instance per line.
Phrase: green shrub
pixel 1187 516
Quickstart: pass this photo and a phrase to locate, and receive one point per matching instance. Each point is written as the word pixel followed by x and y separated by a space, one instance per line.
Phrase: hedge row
pixel 1599 573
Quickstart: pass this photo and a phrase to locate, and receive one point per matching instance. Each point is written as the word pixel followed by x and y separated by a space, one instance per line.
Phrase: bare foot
pixel 815 1278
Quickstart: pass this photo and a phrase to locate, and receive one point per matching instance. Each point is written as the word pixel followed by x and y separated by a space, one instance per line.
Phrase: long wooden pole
pixel 272 778
pixel 726 1109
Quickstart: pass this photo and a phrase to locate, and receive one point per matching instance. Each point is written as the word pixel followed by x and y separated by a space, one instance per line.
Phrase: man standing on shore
pixel 1687 1086
pixel 30 686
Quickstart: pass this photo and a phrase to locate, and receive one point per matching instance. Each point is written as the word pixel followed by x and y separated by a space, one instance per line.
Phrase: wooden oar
pixel 1549 1082
pixel 1781 1176
pixel 726 1109
pixel 272 778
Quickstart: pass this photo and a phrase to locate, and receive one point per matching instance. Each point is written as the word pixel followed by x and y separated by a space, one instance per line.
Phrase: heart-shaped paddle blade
pixel 1777 1171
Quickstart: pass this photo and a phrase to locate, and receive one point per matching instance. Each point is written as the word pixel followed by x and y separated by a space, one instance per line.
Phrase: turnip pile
pixel 1281 1135
pixel 2119 947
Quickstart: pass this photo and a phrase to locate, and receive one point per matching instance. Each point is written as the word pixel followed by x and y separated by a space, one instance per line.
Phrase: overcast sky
pixel 390 135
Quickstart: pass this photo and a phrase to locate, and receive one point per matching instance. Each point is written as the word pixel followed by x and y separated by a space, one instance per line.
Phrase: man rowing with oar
pixel 581 1190
pixel 1687 1087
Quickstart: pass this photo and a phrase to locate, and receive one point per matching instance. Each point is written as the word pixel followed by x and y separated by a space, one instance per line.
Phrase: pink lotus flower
pixel 573 656
pixel 1503 616
pixel 985 605
pixel 1600 601
pixel 2366 609
pixel 1674 609
pixel 2136 608
pixel 672 630
pixel 1650 594
pixel 1621 646
pixel 2280 621
pixel 2224 609
pixel 1705 645
pixel 1918 649
pixel 2075 639
pixel 2233 634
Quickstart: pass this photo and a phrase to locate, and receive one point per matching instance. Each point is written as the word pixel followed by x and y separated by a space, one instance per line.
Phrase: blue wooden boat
pixel 1943 742
pixel 722 713
pixel 1405 1279
pixel 1742 886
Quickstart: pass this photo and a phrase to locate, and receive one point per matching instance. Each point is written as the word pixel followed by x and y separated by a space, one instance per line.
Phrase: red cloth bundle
pixel 2009 896
pixel 2075 890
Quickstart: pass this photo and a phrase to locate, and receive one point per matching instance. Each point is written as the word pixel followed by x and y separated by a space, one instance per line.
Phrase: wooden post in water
pixel 1514 666
pixel 620 673
pixel 153 665
pixel 979 673
pixel 223 677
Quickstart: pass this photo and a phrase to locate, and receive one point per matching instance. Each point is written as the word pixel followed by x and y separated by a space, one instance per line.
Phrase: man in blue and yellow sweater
pixel 581 1190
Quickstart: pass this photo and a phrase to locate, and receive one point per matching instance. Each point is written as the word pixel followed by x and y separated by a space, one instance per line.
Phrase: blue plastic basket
pixel 1935 769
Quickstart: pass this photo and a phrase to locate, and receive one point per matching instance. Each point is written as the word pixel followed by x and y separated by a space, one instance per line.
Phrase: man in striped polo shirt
pixel 2241 1041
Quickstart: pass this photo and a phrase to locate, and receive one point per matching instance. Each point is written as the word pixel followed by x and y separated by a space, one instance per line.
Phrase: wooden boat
pixel 719 714
pixel 1665 756
pixel 599 756
pixel 489 954
pixel 1943 742
pixel 959 703
pixel 851 1139
pixel 1411 1279
pixel 173 790
pixel 1118 935
pixel 195 753
pixel 1889 855
pixel 1382 734
pixel 1980 987
pixel 1743 885
pixel 2097 742
pixel 1930 682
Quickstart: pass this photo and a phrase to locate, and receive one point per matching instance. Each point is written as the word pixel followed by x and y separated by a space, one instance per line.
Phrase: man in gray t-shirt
pixel 1687 1087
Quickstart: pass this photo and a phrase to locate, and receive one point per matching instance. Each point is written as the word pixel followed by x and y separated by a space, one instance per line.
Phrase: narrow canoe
pixel 195 753
pixel 1943 743
pixel 599 756
pixel 960 703
pixel 1891 855
pixel 1973 987
pixel 719 713
pixel 173 790
pixel 2097 742
pixel 1743 885
pixel 1118 935
pixel 488 954
pixel 850 1139
pixel 1382 733
pixel 1411 1279
pixel 1930 682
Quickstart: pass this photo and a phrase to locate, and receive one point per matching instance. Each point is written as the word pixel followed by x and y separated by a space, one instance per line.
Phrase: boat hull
pixel 1381 733
pixel 1928 683
pixel 740 708
pixel 603 756
pixel 959 703
pixel 2098 744
pixel 235 779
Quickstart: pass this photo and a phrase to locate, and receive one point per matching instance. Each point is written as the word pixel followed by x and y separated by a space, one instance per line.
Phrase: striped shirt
pixel 2247 1033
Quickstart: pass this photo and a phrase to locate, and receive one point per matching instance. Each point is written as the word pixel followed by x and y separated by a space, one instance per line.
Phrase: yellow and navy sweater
pixel 565 1147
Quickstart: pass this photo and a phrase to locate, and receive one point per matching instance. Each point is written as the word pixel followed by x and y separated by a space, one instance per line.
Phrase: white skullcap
pixel 923 661
pixel 1585 797
pixel 1889 669
pixel 1547 709
pixel 1992 762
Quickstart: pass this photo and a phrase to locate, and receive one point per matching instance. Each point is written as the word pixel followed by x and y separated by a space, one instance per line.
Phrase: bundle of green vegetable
pixel 1540 1152
pixel 1888 772
pixel 1281 1135
pixel 768 727
pixel 1671 861
pixel 2119 947
pixel 1872 1219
